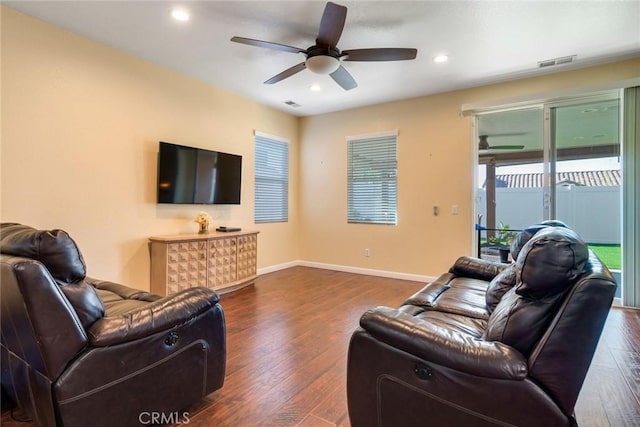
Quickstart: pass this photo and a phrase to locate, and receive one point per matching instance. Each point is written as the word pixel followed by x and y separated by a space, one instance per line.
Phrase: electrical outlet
pixel 367 252
pixel 454 209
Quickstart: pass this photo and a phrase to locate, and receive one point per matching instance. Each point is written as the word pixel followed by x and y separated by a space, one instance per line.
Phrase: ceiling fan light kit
pixel 180 14
pixel 322 64
pixel 324 57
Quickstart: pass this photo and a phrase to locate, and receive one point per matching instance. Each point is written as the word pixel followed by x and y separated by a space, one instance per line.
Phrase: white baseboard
pixel 348 269
pixel 277 267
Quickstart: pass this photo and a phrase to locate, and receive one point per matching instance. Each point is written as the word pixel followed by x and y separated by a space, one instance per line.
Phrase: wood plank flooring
pixel 287 340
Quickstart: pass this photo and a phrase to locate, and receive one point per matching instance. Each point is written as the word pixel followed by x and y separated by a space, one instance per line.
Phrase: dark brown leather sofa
pixel 83 352
pixel 485 344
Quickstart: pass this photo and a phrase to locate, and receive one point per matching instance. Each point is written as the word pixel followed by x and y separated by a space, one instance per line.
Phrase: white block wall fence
pixel 593 212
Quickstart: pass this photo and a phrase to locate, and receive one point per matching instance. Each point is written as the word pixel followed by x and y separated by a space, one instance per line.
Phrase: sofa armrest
pixel 156 316
pixel 446 347
pixel 427 296
pixel 477 268
pixel 122 291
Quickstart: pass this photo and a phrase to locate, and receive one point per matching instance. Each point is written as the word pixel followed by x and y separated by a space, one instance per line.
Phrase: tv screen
pixel 191 175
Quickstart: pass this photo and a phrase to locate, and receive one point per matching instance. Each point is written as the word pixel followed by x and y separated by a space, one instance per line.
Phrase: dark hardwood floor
pixel 287 340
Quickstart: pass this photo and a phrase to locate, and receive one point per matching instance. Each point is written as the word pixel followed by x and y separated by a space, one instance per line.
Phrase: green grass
pixel 610 255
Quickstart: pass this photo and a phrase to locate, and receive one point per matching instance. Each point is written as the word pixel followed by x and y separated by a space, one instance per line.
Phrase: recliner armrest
pixel 446 347
pixel 121 290
pixel 156 316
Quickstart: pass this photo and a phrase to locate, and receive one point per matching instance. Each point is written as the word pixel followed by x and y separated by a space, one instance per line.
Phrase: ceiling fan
pixel 483 143
pixel 324 57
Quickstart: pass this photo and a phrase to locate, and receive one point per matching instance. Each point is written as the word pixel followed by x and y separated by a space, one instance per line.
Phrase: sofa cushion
pixel 550 262
pixel 53 248
pixel 499 286
pixel 85 301
pixel 116 305
pixel 465 296
pixel 452 294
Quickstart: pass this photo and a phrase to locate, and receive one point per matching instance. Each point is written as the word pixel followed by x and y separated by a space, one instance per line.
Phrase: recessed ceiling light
pixel 180 14
pixel 315 87
pixel 440 58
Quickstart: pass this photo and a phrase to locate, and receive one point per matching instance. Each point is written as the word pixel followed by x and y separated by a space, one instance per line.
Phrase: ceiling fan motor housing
pixel 322 59
pixel 483 143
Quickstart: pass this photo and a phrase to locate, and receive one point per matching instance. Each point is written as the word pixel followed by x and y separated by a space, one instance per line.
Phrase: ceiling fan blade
pixel 268 45
pixel 380 54
pixel 506 147
pixel 343 78
pixel 483 143
pixel 331 25
pixel 497 135
pixel 286 73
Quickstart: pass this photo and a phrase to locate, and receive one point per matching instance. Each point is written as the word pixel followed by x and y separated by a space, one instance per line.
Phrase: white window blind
pixel 372 189
pixel 272 179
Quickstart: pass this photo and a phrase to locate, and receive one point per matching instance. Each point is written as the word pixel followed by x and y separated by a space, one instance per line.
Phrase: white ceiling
pixel 487 41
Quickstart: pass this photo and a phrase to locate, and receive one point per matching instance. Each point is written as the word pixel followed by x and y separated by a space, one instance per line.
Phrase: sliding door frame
pixel 629 140
pixel 631 197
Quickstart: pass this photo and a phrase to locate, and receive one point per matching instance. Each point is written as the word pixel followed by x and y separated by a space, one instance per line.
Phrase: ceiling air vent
pixel 556 61
pixel 292 104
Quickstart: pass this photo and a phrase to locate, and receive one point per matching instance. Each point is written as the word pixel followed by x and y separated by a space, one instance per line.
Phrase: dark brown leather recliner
pixel 83 352
pixel 485 344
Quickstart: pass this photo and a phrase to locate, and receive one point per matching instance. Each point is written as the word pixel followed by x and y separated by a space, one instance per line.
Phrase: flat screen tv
pixel 191 175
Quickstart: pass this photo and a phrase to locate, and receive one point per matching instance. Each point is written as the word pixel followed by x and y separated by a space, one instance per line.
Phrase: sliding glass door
pixel 585 174
pixel 556 160
pixel 510 169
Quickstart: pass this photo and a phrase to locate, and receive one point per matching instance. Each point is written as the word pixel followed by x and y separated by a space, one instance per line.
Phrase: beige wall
pixel 81 122
pixel 435 165
pixel 80 129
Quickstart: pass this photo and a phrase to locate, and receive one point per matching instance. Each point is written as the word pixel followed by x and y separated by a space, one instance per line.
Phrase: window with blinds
pixel 271 179
pixel 372 190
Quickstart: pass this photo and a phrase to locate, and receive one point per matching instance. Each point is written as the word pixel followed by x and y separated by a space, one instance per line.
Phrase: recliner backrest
pixel 561 358
pixel 550 263
pixel 58 252
pixel 38 323
pixel 547 266
pixel 525 235
pixel 503 282
pixel 555 313
pixel 53 248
